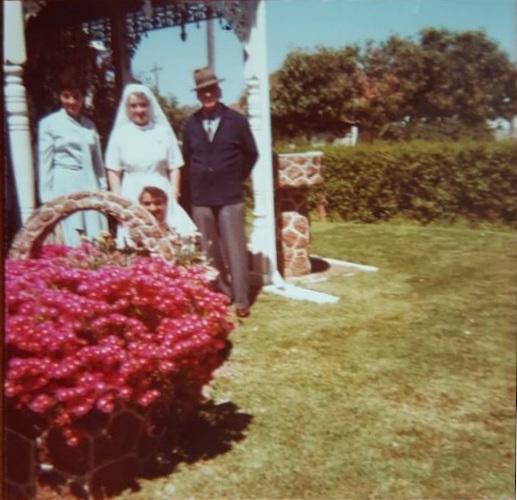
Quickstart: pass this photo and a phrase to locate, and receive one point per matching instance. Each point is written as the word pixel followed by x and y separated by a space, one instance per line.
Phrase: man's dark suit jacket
pixel 217 170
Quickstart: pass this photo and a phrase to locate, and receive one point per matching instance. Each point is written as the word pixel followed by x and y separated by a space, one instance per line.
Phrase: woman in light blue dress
pixel 70 160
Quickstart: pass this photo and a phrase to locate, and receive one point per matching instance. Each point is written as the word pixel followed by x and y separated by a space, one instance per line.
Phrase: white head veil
pixel 177 219
pixel 150 180
pixel 156 114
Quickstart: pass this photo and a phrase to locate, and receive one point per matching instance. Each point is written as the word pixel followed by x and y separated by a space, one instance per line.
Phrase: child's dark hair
pixel 155 192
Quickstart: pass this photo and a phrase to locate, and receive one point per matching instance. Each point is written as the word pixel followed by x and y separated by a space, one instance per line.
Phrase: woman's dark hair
pixel 155 192
pixel 71 79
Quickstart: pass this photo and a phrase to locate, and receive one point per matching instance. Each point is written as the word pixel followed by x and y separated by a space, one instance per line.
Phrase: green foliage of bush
pixel 442 85
pixel 425 181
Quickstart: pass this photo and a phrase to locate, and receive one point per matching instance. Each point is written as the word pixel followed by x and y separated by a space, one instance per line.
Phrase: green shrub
pixel 420 180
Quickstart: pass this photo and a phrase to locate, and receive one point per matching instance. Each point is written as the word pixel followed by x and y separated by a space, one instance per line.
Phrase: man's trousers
pixel 223 239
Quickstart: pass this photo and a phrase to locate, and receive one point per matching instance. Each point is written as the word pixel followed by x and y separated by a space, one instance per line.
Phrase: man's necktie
pixel 209 130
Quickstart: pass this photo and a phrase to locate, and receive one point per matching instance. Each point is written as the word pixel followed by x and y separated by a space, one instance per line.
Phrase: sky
pixel 306 24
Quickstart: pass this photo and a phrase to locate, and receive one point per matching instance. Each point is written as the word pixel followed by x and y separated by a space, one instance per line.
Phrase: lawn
pixel 403 389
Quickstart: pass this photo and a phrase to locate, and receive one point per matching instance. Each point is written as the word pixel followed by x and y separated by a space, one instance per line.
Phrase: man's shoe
pixel 242 312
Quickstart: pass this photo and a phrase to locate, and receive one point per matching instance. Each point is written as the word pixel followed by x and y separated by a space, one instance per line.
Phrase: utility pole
pixel 155 69
pixel 210 44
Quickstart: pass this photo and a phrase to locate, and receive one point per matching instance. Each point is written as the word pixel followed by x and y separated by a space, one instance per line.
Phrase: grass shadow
pixel 254 293
pixel 211 432
pixel 318 265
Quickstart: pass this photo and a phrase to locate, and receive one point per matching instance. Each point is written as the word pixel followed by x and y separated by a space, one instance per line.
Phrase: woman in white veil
pixel 143 146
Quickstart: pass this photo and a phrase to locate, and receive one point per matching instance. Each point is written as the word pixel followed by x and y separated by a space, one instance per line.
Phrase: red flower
pixel 82 337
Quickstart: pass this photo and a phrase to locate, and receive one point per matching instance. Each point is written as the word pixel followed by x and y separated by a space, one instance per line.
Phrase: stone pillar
pixel 263 236
pixel 296 172
pixel 17 117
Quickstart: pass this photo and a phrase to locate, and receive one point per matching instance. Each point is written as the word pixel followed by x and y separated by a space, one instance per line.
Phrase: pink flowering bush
pixel 88 329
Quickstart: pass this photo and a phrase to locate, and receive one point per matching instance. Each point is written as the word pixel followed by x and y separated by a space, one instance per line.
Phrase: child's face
pixel 156 205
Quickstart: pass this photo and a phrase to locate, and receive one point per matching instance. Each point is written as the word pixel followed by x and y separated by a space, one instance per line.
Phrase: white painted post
pixel 16 107
pixel 263 237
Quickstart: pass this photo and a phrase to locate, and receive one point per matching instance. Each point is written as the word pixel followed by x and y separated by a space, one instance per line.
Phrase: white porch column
pixel 16 107
pixel 263 237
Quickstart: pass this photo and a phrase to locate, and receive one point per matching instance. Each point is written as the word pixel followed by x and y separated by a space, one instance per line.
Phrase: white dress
pixel 69 160
pixel 146 155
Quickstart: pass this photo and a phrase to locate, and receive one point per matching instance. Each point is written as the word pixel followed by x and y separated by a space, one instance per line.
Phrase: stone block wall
pixel 297 172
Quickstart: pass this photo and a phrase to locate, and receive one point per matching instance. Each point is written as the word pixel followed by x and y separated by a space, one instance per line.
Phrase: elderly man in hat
pixel 219 152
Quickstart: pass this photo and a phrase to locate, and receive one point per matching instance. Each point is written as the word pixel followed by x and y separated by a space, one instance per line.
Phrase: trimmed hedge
pixel 420 180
